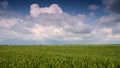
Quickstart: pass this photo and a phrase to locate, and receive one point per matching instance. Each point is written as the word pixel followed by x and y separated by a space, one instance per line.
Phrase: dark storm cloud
pixel 112 5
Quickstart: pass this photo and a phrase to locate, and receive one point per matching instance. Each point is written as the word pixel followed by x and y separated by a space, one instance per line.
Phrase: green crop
pixel 60 56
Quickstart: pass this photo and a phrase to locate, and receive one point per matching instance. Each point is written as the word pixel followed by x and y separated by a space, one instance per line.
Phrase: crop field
pixel 69 56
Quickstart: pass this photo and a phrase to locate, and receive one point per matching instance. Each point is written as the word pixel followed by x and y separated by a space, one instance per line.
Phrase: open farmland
pixel 74 56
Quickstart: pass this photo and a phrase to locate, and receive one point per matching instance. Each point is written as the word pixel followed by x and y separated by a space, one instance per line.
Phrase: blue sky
pixel 69 6
pixel 59 21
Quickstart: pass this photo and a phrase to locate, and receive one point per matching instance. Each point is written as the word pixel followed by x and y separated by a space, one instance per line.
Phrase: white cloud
pixel 43 33
pixel 60 26
pixel 8 23
pixel 106 30
pixel 109 19
pixel 47 26
pixel 104 34
pixel 108 27
pixel 53 9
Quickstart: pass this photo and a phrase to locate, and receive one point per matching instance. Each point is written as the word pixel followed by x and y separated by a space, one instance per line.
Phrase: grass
pixel 73 56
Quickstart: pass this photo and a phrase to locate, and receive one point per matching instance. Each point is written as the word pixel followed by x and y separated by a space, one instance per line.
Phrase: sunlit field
pixel 66 56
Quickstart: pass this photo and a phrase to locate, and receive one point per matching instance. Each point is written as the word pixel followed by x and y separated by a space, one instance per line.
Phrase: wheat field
pixel 69 56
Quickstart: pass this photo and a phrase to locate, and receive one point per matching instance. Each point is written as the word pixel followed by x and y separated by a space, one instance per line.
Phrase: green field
pixel 73 56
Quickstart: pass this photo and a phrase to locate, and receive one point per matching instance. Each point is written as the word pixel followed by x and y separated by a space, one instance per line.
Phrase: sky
pixel 59 22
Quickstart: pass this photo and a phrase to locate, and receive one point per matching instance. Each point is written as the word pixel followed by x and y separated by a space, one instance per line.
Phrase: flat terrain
pixel 73 56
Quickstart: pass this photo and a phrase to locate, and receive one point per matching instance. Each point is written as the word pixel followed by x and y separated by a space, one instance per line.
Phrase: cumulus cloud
pixel 52 9
pixel 78 28
pixel 8 23
pixel 62 26
pixel 52 25
pixel 109 20
pixel 106 34
pixel 48 23
pixel 111 24
pixel 43 33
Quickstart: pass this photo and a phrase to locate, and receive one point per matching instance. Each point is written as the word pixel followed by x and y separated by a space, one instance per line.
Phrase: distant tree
pixel 40 44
